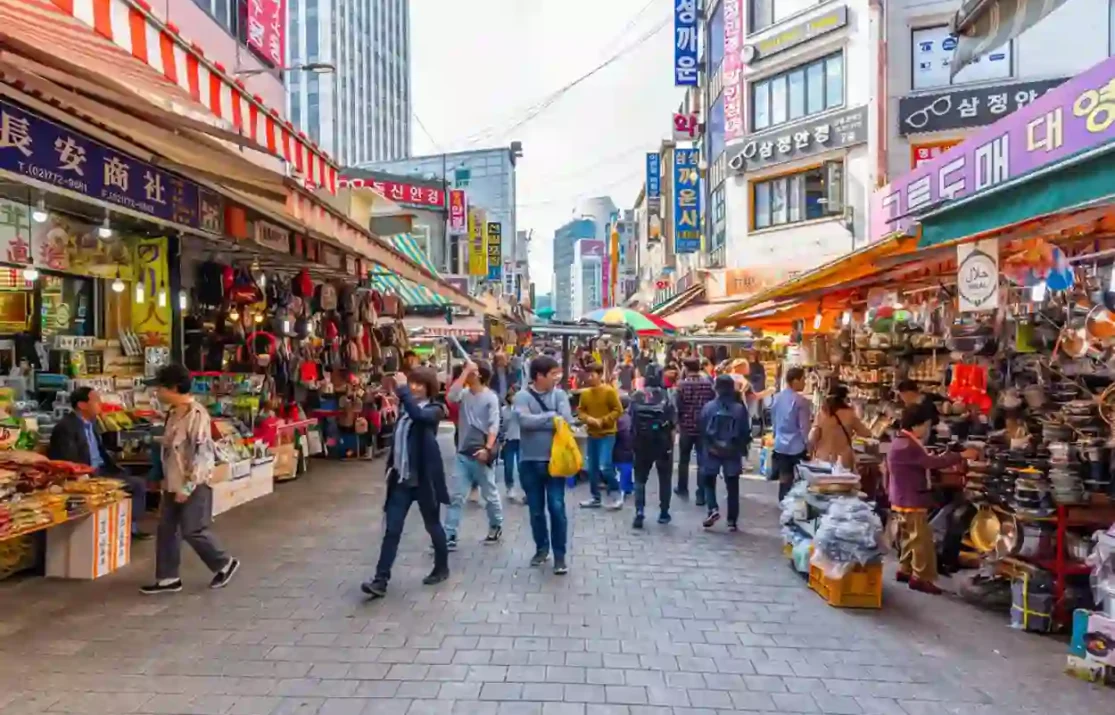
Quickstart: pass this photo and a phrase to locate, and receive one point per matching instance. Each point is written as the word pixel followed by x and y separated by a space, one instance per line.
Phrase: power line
pixel 426 132
pixel 579 194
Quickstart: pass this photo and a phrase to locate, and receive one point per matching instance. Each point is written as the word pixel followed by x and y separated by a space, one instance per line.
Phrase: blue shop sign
pixel 36 147
pixel 654 171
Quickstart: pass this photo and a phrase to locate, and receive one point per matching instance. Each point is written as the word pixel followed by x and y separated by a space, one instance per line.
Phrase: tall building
pixel 586 290
pixel 360 112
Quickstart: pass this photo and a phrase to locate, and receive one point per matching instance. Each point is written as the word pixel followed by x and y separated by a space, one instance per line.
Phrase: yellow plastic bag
pixel 565 455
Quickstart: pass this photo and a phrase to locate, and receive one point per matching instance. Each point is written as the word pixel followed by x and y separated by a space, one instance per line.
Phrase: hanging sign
pixel 685 43
pixel 685 127
pixel 151 319
pixel 271 236
pixel 477 255
pixel 977 275
pixel 458 212
pixel 495 250
pixel 687 201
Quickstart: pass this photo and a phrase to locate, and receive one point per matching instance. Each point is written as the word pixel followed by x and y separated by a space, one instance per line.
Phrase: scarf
pixel 402 434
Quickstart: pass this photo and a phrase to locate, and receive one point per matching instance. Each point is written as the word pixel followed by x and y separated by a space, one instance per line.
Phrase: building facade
pixel 360 112
pixel 586 289
pixel 566 238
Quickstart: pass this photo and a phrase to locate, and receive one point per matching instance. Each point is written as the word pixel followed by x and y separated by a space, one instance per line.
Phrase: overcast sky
pixel 480 65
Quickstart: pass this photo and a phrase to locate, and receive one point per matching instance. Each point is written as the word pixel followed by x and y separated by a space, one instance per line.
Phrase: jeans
pixel 626 477
pixel 467 473
pixel 598 462
pixel 545 493
pixel 785 467
pixel 187 522
pixel 662 459
pixel 395 516
pixel 510 461
pixel 688 443
pixel 709 485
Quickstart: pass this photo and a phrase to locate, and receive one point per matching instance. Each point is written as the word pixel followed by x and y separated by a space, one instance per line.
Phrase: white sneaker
pixel 615 504
pixel 516 495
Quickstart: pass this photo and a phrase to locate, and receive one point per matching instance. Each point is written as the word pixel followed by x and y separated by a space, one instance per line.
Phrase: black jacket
pixel 67 442
pixel 423 453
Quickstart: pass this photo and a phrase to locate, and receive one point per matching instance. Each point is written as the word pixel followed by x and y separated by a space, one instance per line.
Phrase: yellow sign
pixel 151 318
pixel 477 245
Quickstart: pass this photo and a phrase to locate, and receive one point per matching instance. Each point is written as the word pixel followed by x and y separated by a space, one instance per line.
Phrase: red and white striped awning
pixel 131 26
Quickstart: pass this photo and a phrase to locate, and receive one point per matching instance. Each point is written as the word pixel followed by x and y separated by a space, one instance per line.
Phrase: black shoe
pixel 451 543
pixel 699 501
pixel 436 576
pixel 376 588
pixel 494 535
pixel 157 588
pixel 560 568
pixel 711 519
pixel 540 557
pixel 141 536
pixel 664 517
pixel 733 526
pixel 681 493
pixel 222 577
pixel 638 523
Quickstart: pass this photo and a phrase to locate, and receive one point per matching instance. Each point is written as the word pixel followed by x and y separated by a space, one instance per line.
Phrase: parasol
pixel 639 322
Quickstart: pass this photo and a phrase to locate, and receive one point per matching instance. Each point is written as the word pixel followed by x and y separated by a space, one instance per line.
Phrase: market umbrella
pixel 639 322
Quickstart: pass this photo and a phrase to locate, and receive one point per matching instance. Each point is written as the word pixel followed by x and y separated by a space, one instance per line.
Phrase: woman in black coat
pixel 415 473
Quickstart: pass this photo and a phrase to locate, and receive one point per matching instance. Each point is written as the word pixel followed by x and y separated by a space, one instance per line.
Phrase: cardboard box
pixel 286 461
pixel 234 493
pixel 222 472
pixel 242 469
pixel 92 546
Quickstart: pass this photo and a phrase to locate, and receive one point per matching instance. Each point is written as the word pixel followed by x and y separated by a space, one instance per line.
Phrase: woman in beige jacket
pixel 833 430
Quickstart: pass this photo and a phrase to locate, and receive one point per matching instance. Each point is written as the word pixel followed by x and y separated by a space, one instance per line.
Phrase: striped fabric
pixel 412 294
pixel 985 26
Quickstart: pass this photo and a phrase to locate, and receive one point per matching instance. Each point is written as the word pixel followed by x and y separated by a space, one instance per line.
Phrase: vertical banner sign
pixel 613 274
pixel 654 181
pixel 266 28
pixel 495 251
pixel 687 201
pixel 685 43
pixel 151 320
pixel 733 66
pixel 477 256
pixel 977 275
pixel 458 212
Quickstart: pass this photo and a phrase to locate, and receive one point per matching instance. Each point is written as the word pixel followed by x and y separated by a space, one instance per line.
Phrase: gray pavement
pixel 670 621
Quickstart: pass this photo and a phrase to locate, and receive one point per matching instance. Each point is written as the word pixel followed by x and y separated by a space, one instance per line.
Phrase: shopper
pixel 415 474
pixel 830 440
pixel 537 407
pixel 623 456
pixel 502 377
pixel 693 393
pixel 653 418
pixel 476 451
pixel 186 507
pixel 725 440
pixel 509 424
pixel 791 415
pixel 77 438
pixel 599 409
pixel 911 497
pixel 625 373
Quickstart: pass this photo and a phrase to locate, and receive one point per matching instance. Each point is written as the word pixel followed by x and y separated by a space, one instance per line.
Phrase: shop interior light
pixel 39 215
pixel 105 230
pixel 286 326
pixel 847 318
pixel 118 285
pixel 30 273
pixel 162 295
pixel 234 315
pixel 1037 293
pixel 183 300
pixel 140 297
pixel 258 317
pixel 817 321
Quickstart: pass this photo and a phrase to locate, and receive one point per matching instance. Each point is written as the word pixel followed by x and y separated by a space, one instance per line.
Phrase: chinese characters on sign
pixel 495 250
pixel 924 153
pixel 685 43
pixel 731 78
pixel 398 191
pixel 967 108
pixel 685 127
pixel 151 320
pixel 1078 115
pixel 835 131
pixel 266 30
pixel 458 212
pixel 687 201
pixel 654 181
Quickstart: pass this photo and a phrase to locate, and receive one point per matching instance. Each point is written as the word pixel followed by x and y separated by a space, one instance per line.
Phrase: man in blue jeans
pixel 478 424
pixel 537 406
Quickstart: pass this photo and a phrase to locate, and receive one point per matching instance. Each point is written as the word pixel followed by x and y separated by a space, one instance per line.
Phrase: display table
pixel 236 492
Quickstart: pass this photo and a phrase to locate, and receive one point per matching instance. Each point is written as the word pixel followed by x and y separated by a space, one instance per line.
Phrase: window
pixel 715 130
pixel 797 93
pixel 719 222
pixel 932 49
pixel 716 38
pixel 804 196
pixel 765 13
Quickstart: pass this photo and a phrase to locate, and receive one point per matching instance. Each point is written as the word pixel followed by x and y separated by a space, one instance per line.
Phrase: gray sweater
pixel 479 418
pixel 536 425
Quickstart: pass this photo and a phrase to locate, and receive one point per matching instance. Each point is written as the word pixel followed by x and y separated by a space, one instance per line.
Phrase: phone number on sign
pixel 53 177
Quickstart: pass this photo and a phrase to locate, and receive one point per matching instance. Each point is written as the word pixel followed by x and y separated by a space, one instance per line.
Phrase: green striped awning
pixel 412 294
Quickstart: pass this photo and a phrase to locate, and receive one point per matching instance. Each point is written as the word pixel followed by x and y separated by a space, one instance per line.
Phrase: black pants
pixel 784 467
pixel 661 458
pixel 688 443
pixel 398 504
pixel 708 482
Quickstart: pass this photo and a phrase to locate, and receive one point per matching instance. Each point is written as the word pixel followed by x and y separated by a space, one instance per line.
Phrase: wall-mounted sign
pixel 731 79
pixel 271 236
pixel 211 211
pixel 458 212
pixel 977 275
pixel 928 151
pixel 495 250
pixel 331 257
pixel 687 201
pixel 833 131
pixel 63 243
pixel 685 127
pixel 477 256
pixel 654 174
pixel 399 191
pixel 965 108
pixel 267 29
pixel 796 35
pixel 685 42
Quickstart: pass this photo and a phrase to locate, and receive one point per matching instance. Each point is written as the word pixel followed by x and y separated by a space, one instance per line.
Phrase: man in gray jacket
pixel 536 407
pixel 476 450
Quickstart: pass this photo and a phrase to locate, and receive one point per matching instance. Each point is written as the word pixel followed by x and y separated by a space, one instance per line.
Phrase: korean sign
pixel 458 212
pixel 685 43
pixel 687 201
pixel 685 127
pixel 927 152
pixel 834 131
pixel 732 73
pixel 266 29
pixel 399 191
pixel 477 256
pixel 36 147
pixel 495 250
pixel 1077 116
pixel 654 174
pixel 962 108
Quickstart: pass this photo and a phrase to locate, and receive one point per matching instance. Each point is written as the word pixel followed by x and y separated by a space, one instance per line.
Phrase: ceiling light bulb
pixel 30 273
pixel 162 298
pixel 105 230
pixel 183 300
pixel 1037 294
pixel 234 314
pixel 258 317
pixel 140 297
pixel 286 327
pixel 847 317
pixel 39 215
pixel 118 285
pixel 817 322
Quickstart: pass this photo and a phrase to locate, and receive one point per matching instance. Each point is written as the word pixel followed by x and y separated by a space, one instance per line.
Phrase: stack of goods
pixel 88 495
pixel 1032 495
pixel 848 536
pixel 829 481
pixel 1064 473
pixel 32 496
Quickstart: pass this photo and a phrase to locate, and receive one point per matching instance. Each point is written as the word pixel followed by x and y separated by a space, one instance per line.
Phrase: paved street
pixel 670 621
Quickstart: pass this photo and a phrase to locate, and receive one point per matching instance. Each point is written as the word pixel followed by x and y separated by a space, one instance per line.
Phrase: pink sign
pixel 458 211
pixel 732 80
pixel 685 127
pixel 398 191
pixel 266 30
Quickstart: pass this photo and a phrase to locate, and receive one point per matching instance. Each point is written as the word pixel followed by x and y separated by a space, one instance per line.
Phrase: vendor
pixel 910 396
pixel 975 424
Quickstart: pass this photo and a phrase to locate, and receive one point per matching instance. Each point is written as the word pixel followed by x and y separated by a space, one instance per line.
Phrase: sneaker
pixel 733 526
pixel 591 504
pixel 638 523
pixel 560 568
pixel 540 557
pixel 664 517
pixel 156 588
pixel 376 588
pixel 515 495
pixel 494 535
pixel 916 584
pixel 711 519
pixel 616 504
pixel 436 576
pixel 451 543
pixel 222 577
pixel 681 493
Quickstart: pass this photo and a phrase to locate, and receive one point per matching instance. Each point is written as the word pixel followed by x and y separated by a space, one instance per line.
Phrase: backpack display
pixel 302 285
pixel 650 412
pixel 326 297
pixel 720 433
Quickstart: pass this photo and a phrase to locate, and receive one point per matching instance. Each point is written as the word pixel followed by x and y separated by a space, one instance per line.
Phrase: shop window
pixel 719 222
pixel 797 93
pixel 716 38
pixel 932 49
pixel 67 306
pixel 805 196
pixel 715 129
pixel 764 13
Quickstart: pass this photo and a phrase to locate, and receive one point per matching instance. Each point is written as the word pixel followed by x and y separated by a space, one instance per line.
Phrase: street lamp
pixel 315 67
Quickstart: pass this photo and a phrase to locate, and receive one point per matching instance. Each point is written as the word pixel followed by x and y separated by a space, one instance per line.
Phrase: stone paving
pixel 669 621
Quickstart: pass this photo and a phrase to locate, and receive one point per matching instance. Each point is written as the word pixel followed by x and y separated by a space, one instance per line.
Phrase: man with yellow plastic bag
pixel 544 448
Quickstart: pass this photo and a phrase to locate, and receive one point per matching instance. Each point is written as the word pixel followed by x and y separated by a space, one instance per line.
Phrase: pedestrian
pixel 626 372
pixel 186 507
pixel 537 406
pixel 653 418
pixel 415 474
pixel 791 414
pixel 623 455
pixel 725 440
pixel 509 424
pixel 693 393
pixel 599 409
pixel 830 440
pixel 502 377
pixel 476 451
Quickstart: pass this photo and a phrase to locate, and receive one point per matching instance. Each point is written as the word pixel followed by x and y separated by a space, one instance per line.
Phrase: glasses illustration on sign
pixel 939 107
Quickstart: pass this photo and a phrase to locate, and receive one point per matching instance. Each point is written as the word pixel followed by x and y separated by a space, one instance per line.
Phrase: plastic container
pixel 862 587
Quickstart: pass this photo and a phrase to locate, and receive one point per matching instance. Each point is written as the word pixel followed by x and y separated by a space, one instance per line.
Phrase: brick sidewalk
pixel 670 621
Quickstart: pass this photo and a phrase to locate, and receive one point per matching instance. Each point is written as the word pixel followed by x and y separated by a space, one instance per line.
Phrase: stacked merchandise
pixel 36 492
pixel 846 568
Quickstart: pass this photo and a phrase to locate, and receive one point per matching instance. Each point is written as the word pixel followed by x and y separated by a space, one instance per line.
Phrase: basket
pixel 862 587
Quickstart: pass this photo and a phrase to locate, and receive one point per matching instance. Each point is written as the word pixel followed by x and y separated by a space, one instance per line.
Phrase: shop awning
pixel 679 301
pixel 464 327
pixel 695 315
pixel 986 25
pixel 413 295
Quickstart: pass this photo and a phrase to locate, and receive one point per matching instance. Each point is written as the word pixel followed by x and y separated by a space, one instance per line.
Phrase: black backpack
pixel 650 412
pixel 720 433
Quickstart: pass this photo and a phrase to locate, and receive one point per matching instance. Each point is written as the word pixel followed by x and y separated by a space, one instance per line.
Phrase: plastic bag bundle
pixel 789 503
pixel 850 533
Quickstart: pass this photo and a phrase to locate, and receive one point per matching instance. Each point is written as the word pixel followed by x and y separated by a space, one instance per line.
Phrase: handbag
pixel 566 459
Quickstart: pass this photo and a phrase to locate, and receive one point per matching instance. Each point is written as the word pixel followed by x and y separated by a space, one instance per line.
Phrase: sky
pixel 478 67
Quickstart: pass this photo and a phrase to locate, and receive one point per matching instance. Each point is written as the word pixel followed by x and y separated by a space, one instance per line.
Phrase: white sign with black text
pixel 977 275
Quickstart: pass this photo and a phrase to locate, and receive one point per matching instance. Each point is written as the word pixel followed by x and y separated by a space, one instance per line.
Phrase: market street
pixel 670 618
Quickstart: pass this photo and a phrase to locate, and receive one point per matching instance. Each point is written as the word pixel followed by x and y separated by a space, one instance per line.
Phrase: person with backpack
pixel 693 393
pixel 725 440
pixel 623 454
pixel 653 418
